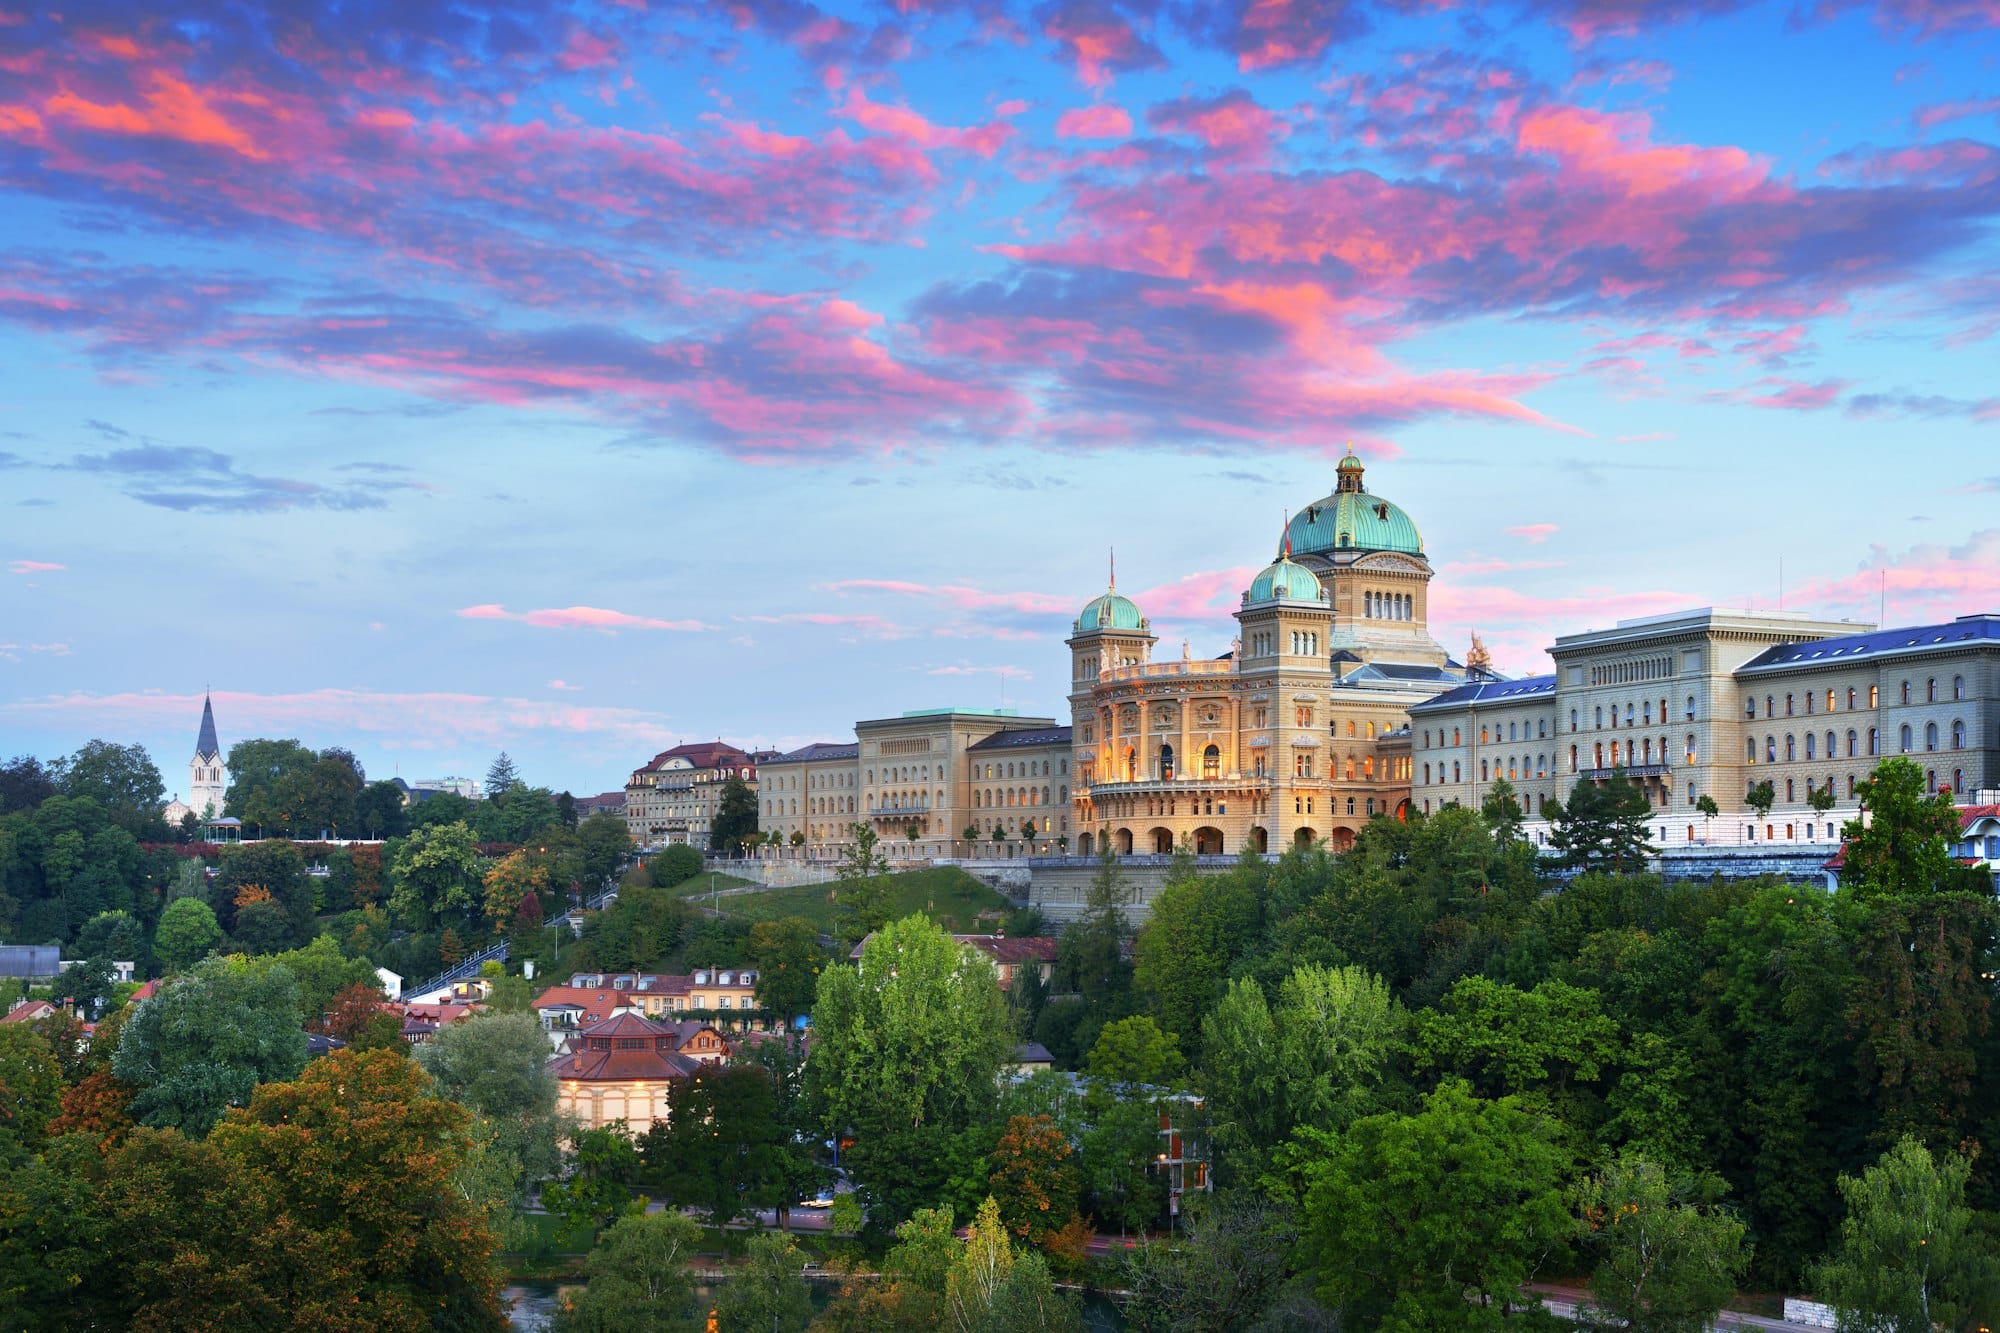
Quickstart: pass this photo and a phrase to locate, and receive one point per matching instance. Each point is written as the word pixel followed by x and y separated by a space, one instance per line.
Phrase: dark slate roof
pixel 1026 736
pixel 820 752
pixel 1400 671
pixel 205 745
pixel 1490 691
pixel 1962 632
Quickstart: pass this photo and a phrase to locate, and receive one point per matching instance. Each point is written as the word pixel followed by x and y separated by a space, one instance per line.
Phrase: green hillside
pixel 946 894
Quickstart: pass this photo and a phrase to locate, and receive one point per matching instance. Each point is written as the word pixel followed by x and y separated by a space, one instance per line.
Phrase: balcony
pixel 1162 670
pixel 1173 786
pixel 1663 772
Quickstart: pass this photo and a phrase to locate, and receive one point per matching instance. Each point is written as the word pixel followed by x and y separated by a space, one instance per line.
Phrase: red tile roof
pixel 1011 949
pixel 606 1053
pixel 28 1011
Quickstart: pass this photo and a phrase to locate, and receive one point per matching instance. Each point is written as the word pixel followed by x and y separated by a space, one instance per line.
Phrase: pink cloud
pixel 871 627
pixel 1533 533
pixel 1939 113
pixel 902 123
pixel 1617 148
pixel 1927 582
pixel 172 109
pixel 578 617
pixel 960 596
pixel 1101 121
pixel 1200 596
pixel 1796 395
pixel 33 567
pixel 1233 126
pixel 434 721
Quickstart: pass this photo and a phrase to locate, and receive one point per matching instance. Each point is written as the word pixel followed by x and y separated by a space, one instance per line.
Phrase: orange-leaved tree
pixel 1034 1177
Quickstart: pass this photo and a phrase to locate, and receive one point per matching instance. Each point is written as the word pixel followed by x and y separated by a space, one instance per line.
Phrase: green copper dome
pixel 1285 581
pixel 1353 520
pixel 1110 611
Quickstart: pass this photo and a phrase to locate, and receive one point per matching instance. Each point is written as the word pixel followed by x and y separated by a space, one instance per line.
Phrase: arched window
pixel 1690 709
pixel 1874 741
pixel 1788 705
pixel 1874 696
pixel 1850 698
pixel 1957 738
pixel 1427 775
pixel 1904 737
pixel 1930 690
pixel 1454 735
pixel 1850 744
pixel 1600 717
pixel 1750 749
pixel 1906 691
pixel 1791 749
pixel 1455 773
pixel 1958 687
pixel 1770 749
pixel 1211 763
pixel 1930 736
pixel 1809 746
pixel 1572 719
pixel 1770 706
pixel 1958 779
pixel 1690 748
pixel 1572 759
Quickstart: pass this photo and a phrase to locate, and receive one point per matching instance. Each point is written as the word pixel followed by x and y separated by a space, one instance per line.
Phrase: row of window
pixel 1624 673
pixel 1931 695
pixel 1388 606
pixel 1905 738
pixel 815 805
pixel 1639 716
pixel 987 797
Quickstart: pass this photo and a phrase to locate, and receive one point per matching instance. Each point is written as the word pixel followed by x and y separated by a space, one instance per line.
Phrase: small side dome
pixel 1110 611
pixel 1284 581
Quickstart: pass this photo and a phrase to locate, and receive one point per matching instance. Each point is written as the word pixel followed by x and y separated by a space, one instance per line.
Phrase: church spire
pixel 205 745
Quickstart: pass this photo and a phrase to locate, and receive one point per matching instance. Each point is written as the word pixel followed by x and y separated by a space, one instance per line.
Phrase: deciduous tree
pixel 1434 1220
pixel 187 933
pixel 206 1039
pixel 640 1278
pixel 788 960
pixel 906 1043
pixel 766 1293
pixel 496 1065
pixel 1664 1262
pixel 364 1163
pixel 436 877
pixel 1034 1177
pixel 1908 1257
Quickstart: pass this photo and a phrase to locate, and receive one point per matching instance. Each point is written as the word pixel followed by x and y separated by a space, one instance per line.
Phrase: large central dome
pixel 1353 520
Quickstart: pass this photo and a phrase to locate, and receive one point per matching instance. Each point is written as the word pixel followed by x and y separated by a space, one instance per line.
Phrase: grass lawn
pixel 946 894
pixel 700 884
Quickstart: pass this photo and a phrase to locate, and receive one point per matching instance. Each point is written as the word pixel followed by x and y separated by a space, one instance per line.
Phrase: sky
pixel 583 379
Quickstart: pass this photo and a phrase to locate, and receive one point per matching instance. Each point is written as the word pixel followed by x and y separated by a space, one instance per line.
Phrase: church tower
pixel 207 780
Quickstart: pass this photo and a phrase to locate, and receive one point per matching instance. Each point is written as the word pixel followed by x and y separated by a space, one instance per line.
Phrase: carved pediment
pixel 1386 561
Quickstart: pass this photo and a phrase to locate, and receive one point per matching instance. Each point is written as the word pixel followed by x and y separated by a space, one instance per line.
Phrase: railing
pixel 469 968
pixel 1177 785
pixel 1153 670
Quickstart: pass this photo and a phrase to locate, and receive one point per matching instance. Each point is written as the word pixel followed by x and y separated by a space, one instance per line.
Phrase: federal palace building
pixel 1335 705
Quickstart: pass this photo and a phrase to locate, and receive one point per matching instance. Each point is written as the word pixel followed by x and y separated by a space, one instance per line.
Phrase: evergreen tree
pixel 735 817
pixel 1603 827
pixel 501 777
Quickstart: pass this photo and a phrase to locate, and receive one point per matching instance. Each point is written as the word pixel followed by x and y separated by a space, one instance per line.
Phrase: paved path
pixel 1562 1302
